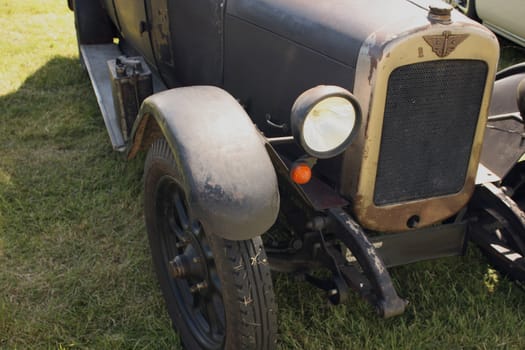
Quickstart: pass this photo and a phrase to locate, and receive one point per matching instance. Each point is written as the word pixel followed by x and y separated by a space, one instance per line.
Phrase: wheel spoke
pixel 181 211
pixel 197 230
pixel 198 302
pixel 215 320
pixel 208 254
pixel 175 229
pixel 171 247
pixel 176 217
pixel 215 284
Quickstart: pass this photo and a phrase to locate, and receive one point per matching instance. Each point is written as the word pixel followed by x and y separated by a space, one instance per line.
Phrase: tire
pixel 218 293
pixel 92 23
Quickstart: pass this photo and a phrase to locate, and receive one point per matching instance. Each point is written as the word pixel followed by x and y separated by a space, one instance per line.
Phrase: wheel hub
pixel 184 266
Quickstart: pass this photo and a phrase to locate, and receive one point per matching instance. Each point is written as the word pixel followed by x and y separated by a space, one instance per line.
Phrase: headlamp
pixel 325 120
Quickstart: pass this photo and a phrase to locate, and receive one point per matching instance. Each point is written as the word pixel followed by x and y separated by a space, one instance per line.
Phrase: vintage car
pixel 331 139
pixel 503 17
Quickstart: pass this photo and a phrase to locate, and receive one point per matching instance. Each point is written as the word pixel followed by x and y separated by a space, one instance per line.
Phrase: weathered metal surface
pixel 131 83
pixel 381 54
pixel 388 303
pixel 95 58
pixel 134 27
pixel 187 40
pixel 321 196
pixel 161 32
pixel 423 244
pixel 484 175
pixel 443 44
pixel 144 133
pixel 504 142
pixel 440 12
pixel 503 146
pixel 315 195
pixel 222 157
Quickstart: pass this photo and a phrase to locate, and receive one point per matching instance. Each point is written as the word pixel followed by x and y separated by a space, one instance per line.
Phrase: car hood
pixel 335 28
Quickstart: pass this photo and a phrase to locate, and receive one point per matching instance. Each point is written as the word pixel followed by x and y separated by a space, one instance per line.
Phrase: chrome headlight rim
pixel 310 99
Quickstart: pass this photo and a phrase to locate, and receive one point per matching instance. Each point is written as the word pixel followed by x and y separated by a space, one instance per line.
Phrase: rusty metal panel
pixel 423 244
pixel 131 83
pixel 381 55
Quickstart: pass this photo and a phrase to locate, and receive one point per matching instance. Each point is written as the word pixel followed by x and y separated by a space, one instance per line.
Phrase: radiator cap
pixel 440 12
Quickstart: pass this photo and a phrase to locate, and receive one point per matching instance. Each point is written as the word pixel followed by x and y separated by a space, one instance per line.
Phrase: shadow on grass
pixel 75 267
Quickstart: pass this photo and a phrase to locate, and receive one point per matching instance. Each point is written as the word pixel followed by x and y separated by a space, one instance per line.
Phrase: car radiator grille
pixel 431 113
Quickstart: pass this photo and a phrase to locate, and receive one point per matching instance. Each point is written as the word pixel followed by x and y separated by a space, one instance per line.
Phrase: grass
pixel 75 270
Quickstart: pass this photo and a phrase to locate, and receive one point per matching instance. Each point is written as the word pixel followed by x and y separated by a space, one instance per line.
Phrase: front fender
pixel 504 142
pixel 226 171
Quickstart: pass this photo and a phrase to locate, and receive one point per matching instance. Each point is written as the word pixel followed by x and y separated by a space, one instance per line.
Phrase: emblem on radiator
pixel 443 45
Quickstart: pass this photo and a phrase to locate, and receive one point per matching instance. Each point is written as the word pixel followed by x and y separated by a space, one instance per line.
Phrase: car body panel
pixel 132 20
pixel 265 53
pixel 506 18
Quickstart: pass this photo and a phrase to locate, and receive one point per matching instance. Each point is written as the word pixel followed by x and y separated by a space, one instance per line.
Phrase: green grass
pixel 75 270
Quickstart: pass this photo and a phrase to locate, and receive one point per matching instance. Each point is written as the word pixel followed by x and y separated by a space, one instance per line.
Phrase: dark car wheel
pixel 219 293
pixel 92 23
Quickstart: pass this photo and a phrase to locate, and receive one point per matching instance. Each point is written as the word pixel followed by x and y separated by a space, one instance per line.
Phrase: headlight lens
pixel 325 120
pixel 329 124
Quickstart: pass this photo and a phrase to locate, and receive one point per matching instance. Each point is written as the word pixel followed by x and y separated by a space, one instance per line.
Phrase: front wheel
pixel 219 293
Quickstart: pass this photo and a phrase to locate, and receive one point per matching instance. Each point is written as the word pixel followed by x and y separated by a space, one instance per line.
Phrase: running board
pixel 95 58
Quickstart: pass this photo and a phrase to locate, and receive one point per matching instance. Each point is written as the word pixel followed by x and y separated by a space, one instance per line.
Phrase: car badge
pixel 443 45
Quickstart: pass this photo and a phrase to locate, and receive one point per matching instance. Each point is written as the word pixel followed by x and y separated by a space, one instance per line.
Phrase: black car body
pixel 387 105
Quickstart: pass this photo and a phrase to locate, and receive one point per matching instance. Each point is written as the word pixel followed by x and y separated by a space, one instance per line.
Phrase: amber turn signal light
pixel 301 173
